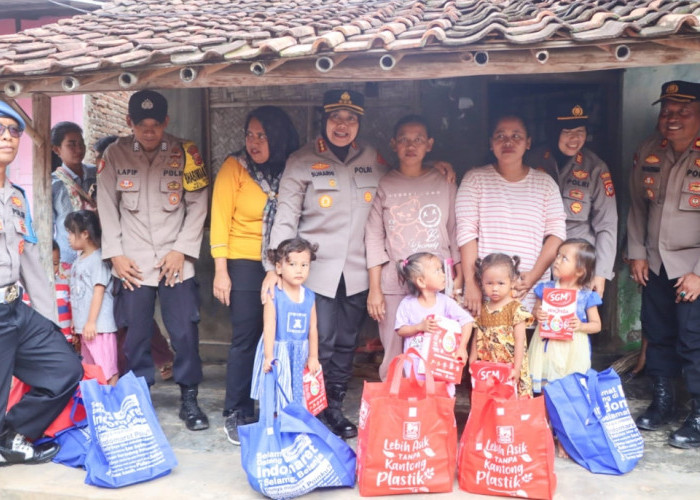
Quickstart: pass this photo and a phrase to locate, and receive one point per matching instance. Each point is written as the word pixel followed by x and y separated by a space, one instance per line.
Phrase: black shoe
pixel 688 436
pixel 190 412
pixel 339 424
pixel 231 427
pixel 15 449
pixel 662 408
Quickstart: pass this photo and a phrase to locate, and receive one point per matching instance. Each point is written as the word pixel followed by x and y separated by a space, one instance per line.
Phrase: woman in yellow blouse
pixel 243 208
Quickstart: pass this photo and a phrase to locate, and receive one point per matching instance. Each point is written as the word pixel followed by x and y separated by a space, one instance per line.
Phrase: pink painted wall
pixel 66 108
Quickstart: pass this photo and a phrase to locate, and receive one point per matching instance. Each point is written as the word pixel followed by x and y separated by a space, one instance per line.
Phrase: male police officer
pixel 152 205
pixel 31 346
pixel 664 247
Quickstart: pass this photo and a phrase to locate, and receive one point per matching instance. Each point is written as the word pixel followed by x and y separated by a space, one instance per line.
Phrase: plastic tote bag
pixel 507 448
pixel 591 419
pixel 407 439
pixel 127 443
pixel 291 453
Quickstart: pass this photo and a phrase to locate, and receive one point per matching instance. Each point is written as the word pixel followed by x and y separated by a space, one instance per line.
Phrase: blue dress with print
pixel 291 346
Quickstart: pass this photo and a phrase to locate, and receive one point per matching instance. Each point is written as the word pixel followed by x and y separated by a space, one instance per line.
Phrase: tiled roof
pixel 152 33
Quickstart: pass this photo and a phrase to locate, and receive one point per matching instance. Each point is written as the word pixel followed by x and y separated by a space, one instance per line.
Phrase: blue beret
pixel 8 111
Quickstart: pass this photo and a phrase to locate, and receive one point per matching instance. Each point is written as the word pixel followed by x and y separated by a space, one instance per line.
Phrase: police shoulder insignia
pixel 650 194
pixel 321 145
pixel 101 166
pixel 696 144
pixel 697 162
pixel 579 158
pixel 547 154
pixel 664 143
pixel 194 175
pixel 609 188
pixel 381 160
pixel 354 145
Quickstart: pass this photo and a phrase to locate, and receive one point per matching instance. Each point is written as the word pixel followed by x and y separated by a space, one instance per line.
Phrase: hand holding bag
pixel 407 440
pixel 127 443
pixel 591 419
pixel 507 448
pixel 291 453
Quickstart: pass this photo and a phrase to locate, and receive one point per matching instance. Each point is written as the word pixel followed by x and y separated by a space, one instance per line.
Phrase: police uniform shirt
pixel 144 209
pixel 589 202
pixel 664 221
pixel 19 257
pixel 327 201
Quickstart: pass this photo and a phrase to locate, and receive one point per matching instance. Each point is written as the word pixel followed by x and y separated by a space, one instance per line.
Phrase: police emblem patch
pixel 576 207
pixel 671 88
pixel 126 184
pixel 650 194
pixel 332 183
pixel 694 201
pixel 694 187
pixel 368 196
pixel 325 201
pixel 576 194
pixel 147 104
pixel 174 198
pixel 649 180
pixel 609 188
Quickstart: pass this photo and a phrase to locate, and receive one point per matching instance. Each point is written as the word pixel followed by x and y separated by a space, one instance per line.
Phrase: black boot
pixel 688 436
pixel 662 408
pixel 333 415
pixel 15 449
pixel 194 417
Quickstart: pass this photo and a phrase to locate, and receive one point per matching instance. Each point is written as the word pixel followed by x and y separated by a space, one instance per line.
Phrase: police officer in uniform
pixel 152 205
pixel 663 244
pixel 325 195
pixel 32 347
pixel 586 186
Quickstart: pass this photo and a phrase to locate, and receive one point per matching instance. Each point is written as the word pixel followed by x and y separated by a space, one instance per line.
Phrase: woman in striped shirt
pixel 507 207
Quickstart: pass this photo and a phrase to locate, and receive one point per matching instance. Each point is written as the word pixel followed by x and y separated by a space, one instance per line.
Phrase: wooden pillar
pixel 41 178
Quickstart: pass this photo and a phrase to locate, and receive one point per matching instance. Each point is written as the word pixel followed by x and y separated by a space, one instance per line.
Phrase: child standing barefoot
pixel 500 328
pixel 551 359
pixel 424 275
pixel 91 297
pixel 290 333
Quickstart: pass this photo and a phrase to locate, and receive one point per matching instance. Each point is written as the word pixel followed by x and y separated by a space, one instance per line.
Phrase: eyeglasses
pixel 251 136
pixel 14 130
pixel 416 141
pixel 515 138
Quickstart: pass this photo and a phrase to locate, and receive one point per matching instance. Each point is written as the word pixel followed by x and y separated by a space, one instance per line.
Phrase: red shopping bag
pixel 407 440
pixel 64 420
pixel 483 374
pixel 507 447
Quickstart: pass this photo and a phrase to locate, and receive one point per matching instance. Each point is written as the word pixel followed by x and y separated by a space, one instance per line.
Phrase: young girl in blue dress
pixel 551 359
pixel 290 333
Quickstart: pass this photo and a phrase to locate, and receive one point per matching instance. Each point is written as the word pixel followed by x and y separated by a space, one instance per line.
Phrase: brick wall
pixel 105 114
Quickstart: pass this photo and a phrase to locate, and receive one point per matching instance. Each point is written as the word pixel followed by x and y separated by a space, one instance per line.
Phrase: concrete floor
pixel 209 466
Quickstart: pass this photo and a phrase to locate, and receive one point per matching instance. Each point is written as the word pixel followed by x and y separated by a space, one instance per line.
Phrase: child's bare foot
pixel 561 452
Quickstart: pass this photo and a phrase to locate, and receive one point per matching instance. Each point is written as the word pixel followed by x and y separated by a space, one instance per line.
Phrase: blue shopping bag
pixel 591 419
pixel 74 443
pixel 291 453
pixel 127 443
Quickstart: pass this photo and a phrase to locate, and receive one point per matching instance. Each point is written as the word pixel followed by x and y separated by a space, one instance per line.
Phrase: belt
pixel 9 293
